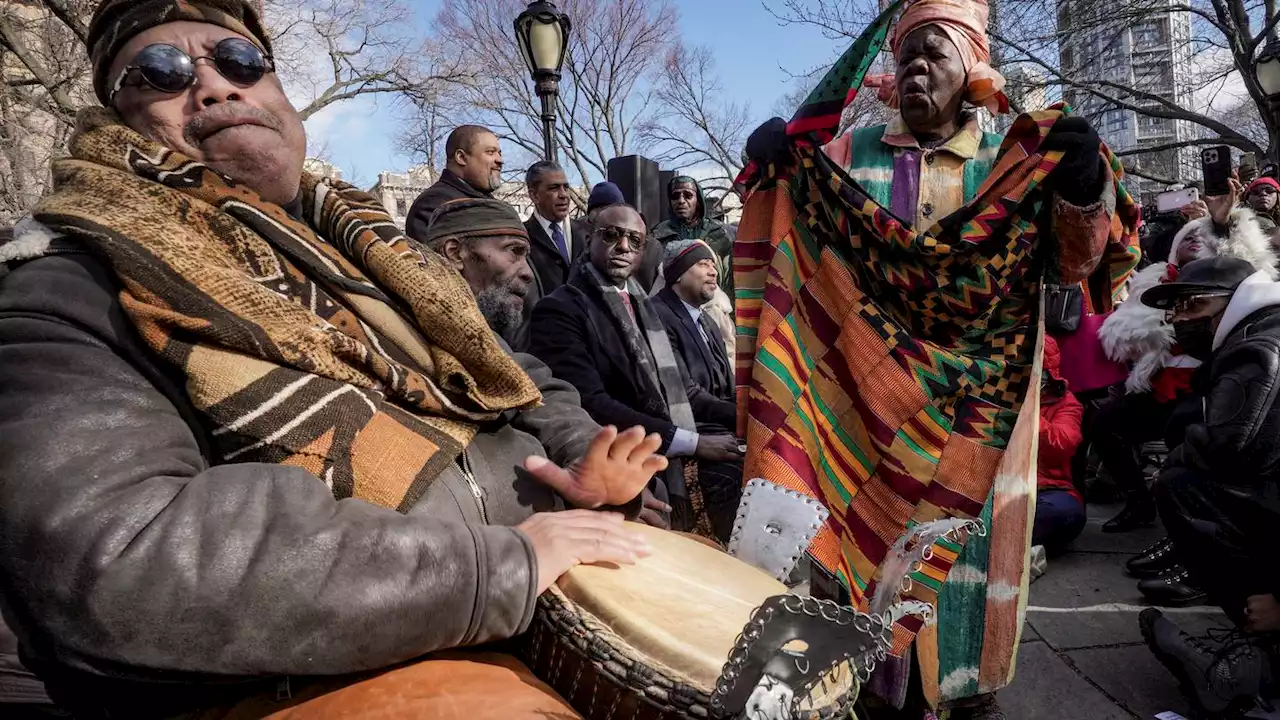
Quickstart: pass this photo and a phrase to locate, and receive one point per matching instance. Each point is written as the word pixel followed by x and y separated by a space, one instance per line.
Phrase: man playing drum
pixel 250 436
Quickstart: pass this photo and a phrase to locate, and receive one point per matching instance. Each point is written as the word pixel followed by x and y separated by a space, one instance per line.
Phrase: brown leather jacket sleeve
pixel 559 423
pixel 122 549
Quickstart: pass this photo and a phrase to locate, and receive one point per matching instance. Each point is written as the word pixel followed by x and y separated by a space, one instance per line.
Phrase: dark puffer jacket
pixel 1239 442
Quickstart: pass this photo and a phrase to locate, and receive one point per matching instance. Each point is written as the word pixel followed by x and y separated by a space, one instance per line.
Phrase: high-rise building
pixel 1150 54
pixel 1025 87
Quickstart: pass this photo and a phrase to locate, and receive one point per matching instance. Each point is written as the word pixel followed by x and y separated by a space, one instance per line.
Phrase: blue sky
pixel 753 54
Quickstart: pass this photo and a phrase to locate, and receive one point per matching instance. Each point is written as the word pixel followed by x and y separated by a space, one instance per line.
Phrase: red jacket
pixel 1060 433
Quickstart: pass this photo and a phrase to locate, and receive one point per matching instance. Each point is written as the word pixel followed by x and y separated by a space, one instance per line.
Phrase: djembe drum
pixel 655 639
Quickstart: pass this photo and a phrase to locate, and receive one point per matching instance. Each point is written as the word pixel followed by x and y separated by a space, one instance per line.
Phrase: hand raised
pixel 1220 206
pixel 615 469
pixel 565 539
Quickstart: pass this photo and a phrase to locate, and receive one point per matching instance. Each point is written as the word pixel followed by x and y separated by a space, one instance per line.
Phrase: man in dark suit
pixel 602 334
pixel 691 277
pixel 551 249
pixel 473 169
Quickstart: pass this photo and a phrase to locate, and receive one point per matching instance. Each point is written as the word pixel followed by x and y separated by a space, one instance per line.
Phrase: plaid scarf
pixel 889 372
pixel 648 345
pixel 332 344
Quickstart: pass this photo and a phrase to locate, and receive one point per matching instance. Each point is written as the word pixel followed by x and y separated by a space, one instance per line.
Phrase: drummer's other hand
pixel 653 511
pixel 565 539
pixel 615 469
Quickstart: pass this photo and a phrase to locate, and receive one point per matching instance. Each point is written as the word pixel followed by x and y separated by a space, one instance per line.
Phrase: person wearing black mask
pixel 1219 494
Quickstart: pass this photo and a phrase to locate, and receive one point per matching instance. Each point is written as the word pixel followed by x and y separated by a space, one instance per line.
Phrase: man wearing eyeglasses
pixel 256 446
pixel 1219 494
pixel 602 334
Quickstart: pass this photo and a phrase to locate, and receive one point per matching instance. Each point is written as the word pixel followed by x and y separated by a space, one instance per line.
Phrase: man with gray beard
pixel 488 244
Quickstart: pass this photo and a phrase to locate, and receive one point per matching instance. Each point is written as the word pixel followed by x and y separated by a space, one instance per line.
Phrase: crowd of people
pixel 257 444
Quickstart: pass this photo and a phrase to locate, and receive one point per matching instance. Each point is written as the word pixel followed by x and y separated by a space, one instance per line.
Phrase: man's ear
pixel 453 251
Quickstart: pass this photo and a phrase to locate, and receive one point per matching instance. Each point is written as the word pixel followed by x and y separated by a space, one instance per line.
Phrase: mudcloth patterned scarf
pixel 883 370
pixel 331 344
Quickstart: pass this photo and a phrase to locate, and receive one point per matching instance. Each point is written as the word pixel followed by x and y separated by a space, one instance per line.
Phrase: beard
pixel 499 310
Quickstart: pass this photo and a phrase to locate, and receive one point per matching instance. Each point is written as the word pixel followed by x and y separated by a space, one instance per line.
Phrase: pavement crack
pixel 1080 674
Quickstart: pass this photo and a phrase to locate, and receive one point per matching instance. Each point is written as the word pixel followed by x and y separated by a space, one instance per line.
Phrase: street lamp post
pixel 543 33
pixel 1267 70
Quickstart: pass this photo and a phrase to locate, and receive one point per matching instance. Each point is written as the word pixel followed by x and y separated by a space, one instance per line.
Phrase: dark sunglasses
pixel 614 235
pixel 170 70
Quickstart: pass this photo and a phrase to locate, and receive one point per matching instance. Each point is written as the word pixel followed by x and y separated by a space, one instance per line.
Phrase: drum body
pixel 648 640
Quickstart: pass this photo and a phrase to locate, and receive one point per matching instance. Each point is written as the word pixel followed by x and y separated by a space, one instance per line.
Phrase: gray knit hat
pixel 682 255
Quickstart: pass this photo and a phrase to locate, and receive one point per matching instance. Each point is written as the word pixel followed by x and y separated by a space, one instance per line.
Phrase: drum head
pixel 683 606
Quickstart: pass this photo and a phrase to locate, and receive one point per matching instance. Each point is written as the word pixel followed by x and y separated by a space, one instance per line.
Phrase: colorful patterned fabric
pixel 883 370
pixel 917 185
pixel 331 343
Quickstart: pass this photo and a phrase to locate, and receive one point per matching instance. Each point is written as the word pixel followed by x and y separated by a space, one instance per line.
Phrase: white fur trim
pixel 31 239
pixel 1134 331
pixel 1245 240
pixel 1139 334
pixel 1259 290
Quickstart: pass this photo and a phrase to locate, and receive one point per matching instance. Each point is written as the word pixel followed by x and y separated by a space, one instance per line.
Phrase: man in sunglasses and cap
pixel 255 445
pixel 1219 494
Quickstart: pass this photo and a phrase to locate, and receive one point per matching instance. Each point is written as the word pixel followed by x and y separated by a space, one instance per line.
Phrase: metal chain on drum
pixel 862 662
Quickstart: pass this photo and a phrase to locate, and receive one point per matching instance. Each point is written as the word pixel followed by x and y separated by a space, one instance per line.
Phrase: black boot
pixel 986 709
pixel 1153 561
pixel 1139 512
pixel 1219 683
pixel 1173 589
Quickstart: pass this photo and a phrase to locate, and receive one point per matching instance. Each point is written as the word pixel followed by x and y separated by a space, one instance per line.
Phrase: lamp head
pixel 1267 68
pixel 542 32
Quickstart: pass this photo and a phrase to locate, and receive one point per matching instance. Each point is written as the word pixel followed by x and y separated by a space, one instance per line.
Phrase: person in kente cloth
pixel 924 165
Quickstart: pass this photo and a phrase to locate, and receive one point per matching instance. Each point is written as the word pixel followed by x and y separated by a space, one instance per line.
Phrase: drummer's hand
pixel 652 510
pixel 565 539
pixel 615 469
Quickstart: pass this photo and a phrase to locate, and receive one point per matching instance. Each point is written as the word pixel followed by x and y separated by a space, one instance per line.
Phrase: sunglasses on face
pixel 1194 303
pixel 614 235
pixel 170 70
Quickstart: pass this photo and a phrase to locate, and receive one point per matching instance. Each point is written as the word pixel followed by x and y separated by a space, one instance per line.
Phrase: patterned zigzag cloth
pixel 892 374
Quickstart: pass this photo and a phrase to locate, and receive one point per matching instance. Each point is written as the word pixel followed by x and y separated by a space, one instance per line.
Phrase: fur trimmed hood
pixel 1245 240
pixel 1139 334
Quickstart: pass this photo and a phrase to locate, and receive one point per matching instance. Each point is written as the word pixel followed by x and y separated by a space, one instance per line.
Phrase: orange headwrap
pixel 964 22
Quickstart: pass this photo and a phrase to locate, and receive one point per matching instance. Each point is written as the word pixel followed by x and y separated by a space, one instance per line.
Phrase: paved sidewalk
pixel 1082 654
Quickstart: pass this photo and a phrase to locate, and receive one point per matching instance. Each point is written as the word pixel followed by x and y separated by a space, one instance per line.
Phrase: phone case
pixel 1215 163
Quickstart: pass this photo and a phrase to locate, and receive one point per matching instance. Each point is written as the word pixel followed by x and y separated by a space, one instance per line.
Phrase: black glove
pixel 1078 177
pixel 768 143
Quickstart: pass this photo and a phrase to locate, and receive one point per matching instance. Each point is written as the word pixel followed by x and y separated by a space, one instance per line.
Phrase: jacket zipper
pixel 476 492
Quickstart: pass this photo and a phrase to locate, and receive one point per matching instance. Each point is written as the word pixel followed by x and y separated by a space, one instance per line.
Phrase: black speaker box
pixel 639 179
